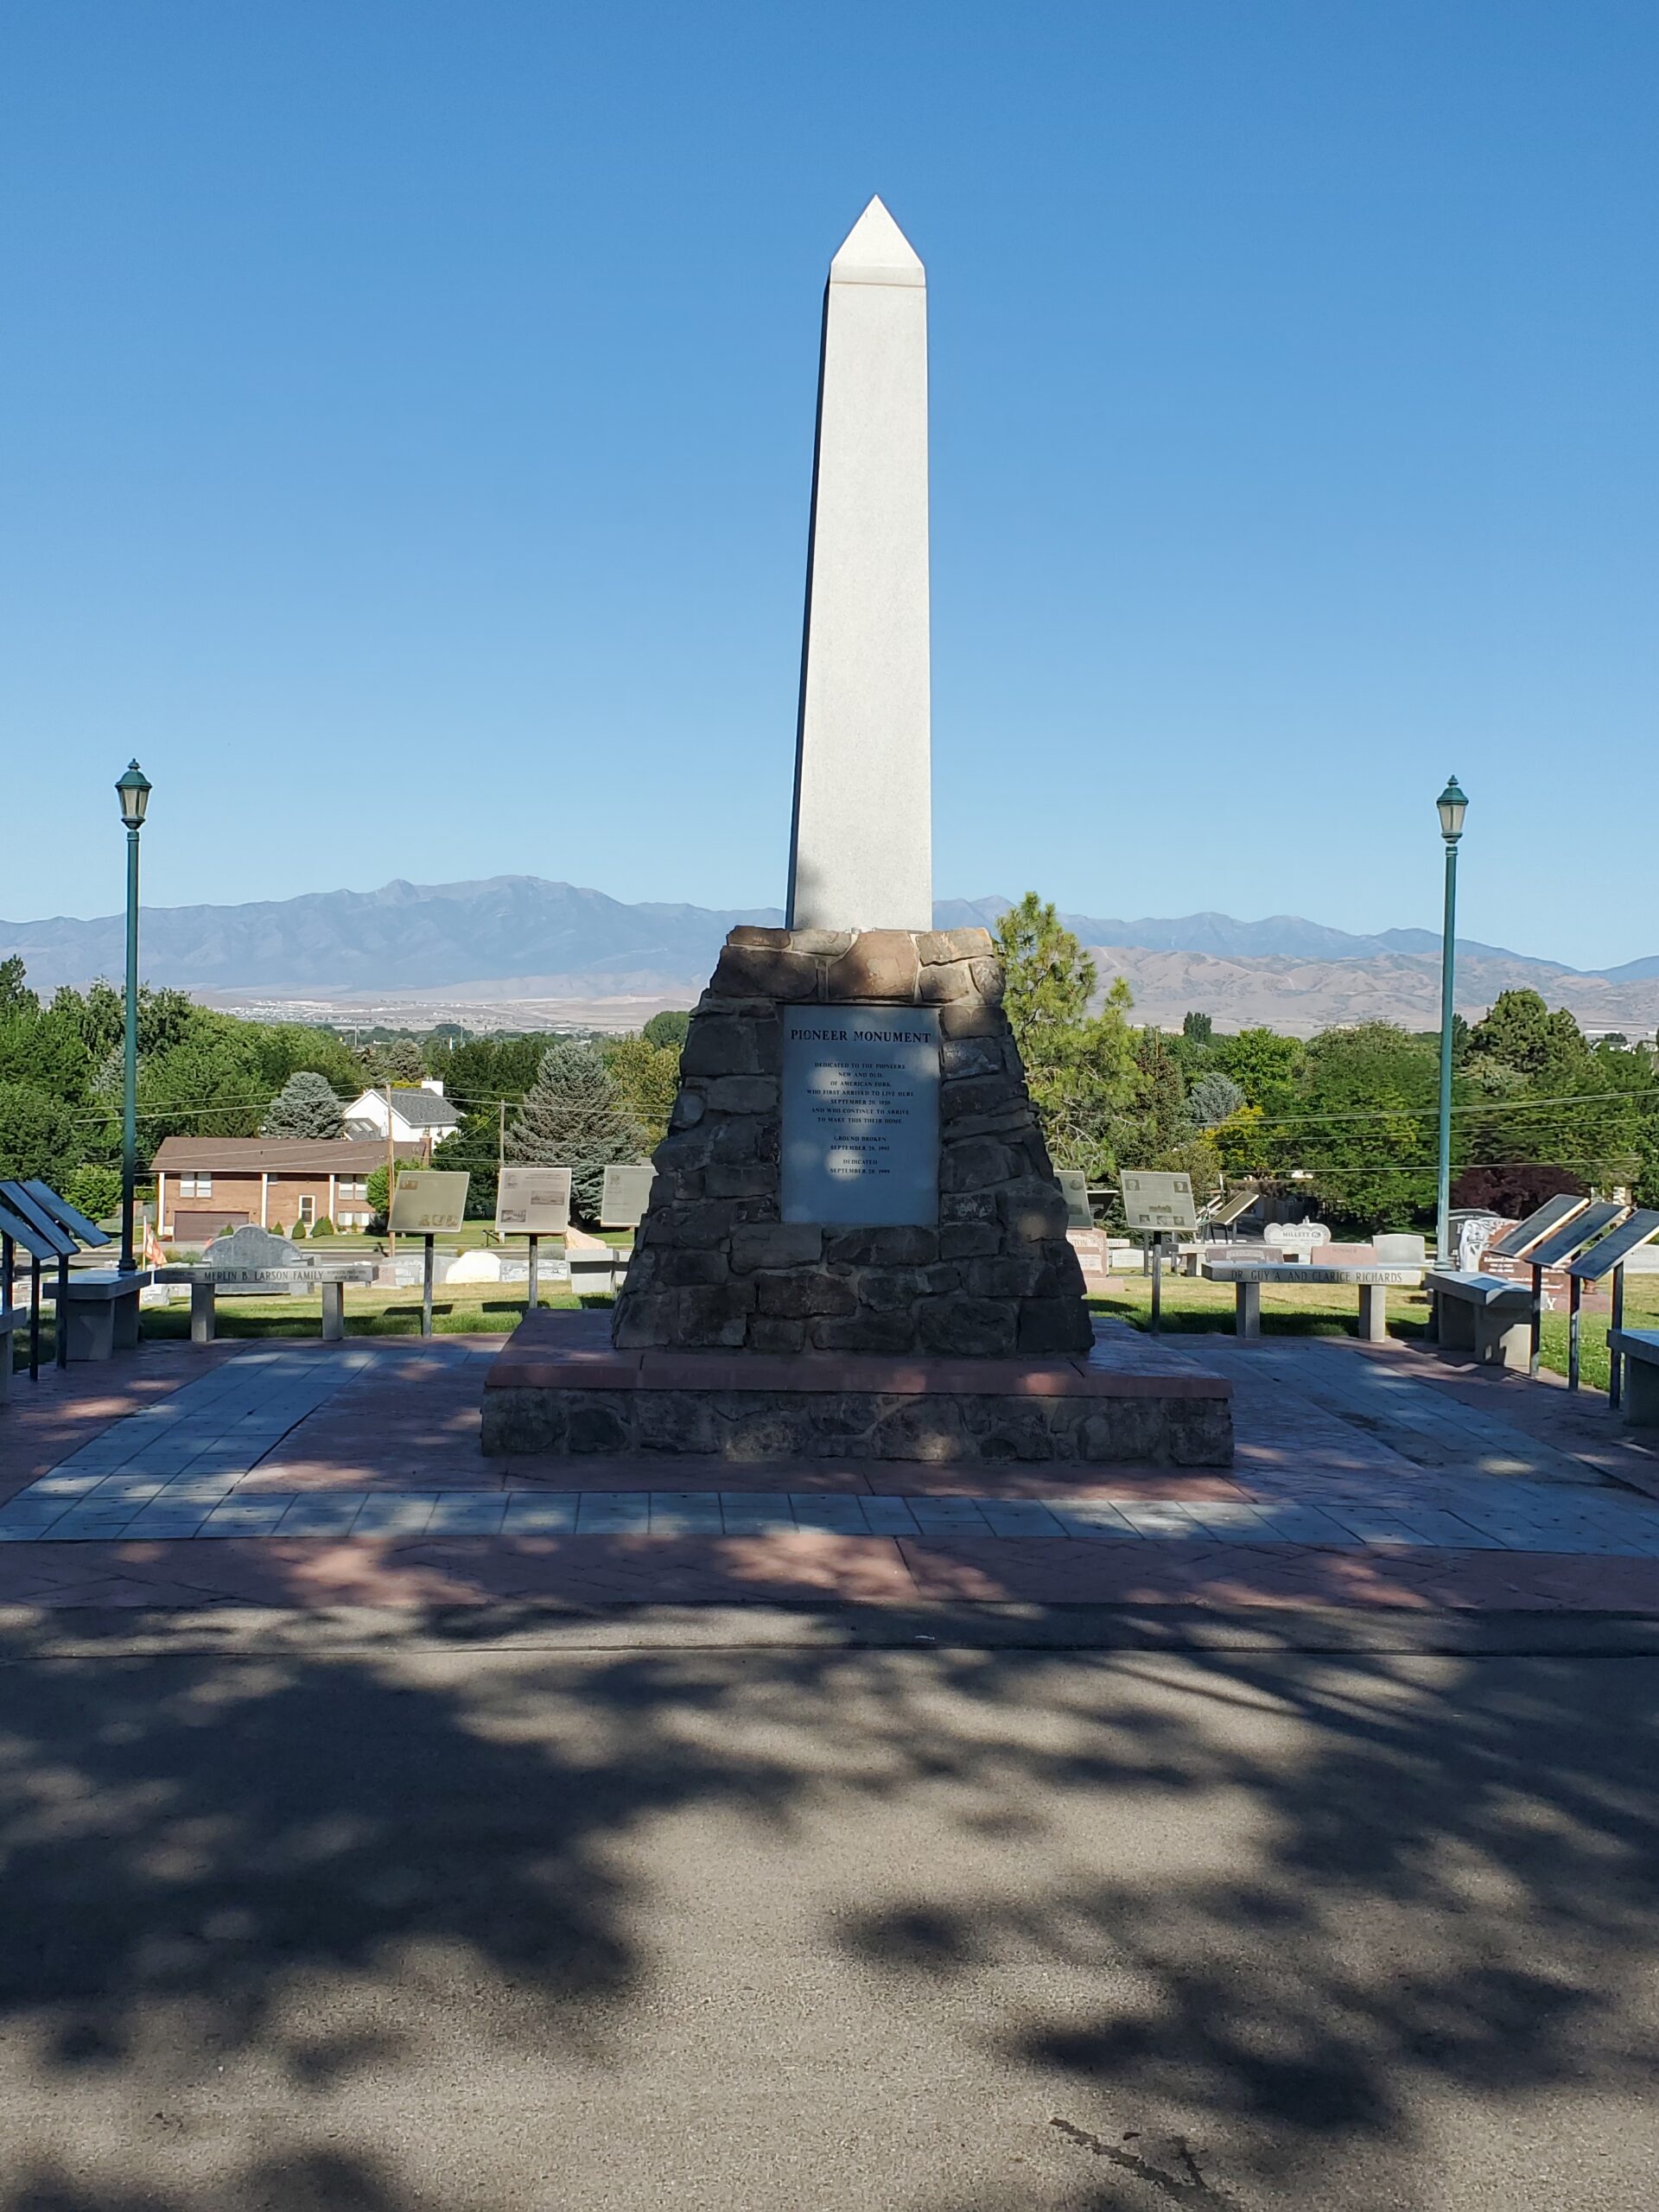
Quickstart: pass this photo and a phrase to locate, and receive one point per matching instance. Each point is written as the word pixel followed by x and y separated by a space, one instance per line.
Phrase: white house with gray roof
pixel 420 1114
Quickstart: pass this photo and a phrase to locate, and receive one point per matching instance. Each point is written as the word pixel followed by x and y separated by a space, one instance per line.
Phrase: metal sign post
pixel 1573 1295
pixel 427 1241
pixel 533 1202
pixel 1156 1201
pixel 56 1241
pixel 1607 1257
pixel 23 1221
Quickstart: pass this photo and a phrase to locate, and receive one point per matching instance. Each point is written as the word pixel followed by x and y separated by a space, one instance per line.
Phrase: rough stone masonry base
pixel 716 1266
pixel 542 1395
pixel 744 1338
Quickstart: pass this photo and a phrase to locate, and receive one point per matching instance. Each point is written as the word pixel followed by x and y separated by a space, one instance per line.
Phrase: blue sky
pixel 406 410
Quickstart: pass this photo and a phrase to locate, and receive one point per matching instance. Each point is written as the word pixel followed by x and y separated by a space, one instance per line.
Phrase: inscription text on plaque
pixel 861 1136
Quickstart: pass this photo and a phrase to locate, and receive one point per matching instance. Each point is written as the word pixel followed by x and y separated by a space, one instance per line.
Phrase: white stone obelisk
pixel 860 847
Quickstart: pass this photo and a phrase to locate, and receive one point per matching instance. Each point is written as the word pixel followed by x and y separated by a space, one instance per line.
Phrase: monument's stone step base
pixel 1118 1406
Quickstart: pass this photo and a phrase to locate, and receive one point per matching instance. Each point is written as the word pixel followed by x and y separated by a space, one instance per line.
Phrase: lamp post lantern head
pixel 1453 803
pixel 133 792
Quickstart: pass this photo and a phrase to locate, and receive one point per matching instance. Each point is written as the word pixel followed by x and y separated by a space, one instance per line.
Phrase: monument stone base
pixel 1124 1403
pixel 959 1334
pixel 720 1266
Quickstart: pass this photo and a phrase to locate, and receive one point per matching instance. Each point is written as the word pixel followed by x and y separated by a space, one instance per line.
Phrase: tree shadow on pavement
pixel 438 1925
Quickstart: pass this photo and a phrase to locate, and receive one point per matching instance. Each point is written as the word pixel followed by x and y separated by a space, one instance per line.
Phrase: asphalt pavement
pixel 433 1917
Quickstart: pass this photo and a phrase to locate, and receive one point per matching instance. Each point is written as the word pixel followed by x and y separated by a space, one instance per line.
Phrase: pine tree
pixel 573 1117
pixel 306 1106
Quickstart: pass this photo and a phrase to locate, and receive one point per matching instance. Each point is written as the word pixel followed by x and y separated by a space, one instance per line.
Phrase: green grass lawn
pixel 368 1313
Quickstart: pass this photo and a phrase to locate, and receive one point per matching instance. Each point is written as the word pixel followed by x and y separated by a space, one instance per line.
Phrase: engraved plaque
pixel 533 1201
pixel 1074 1188
pixel 625 1196
pixel 426 1200
pixel 1153 1200
pixel 861 1136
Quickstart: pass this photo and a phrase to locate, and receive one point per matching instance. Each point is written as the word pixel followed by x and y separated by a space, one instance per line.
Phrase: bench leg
pixel 91 1328
pixel 124 1323
pixel 5 1365
pixel 1247 1309
pixel 333 1312
pixel 203 1321
pixel 1502 1341
pixel 1373 1312
pixel 1456 1327
pixel 1641 1394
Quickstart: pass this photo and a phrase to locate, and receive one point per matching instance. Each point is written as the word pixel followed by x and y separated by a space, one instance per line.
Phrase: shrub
pixel 323 1227
pixel 1515 1191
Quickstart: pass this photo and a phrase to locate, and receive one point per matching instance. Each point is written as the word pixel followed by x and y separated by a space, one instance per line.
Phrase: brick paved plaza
pixel 305 1476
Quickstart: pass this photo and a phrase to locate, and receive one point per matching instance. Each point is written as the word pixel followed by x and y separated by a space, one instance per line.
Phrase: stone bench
pixel 1373 1285
pixel 103 1309
pixel 1488 1315
pixel 1639 1349
pixel 12 1318
pixel 206 1283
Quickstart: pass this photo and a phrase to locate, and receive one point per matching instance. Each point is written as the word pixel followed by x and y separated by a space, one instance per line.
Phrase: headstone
pixel 533 1201
pixel 248 1250
pixel 1298 1238
pixel 1074 1188
pixel 1093 1253
pixel 626 1194
pixel 1153 1199
pixel 860 1130
pixel 427 1201
pixel 1401 1249
pixel 860 850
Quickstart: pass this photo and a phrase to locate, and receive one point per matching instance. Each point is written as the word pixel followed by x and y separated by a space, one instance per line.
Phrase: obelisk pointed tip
pixel 876 252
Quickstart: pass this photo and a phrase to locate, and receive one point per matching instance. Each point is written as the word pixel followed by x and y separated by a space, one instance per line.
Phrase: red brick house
pixel 204 1185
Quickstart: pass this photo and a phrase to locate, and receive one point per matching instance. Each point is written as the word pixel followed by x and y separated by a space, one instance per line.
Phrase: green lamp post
pixel 1453 803
pixel 133 792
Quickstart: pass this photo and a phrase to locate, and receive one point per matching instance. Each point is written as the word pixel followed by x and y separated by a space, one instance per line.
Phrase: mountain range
pixel 518 941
